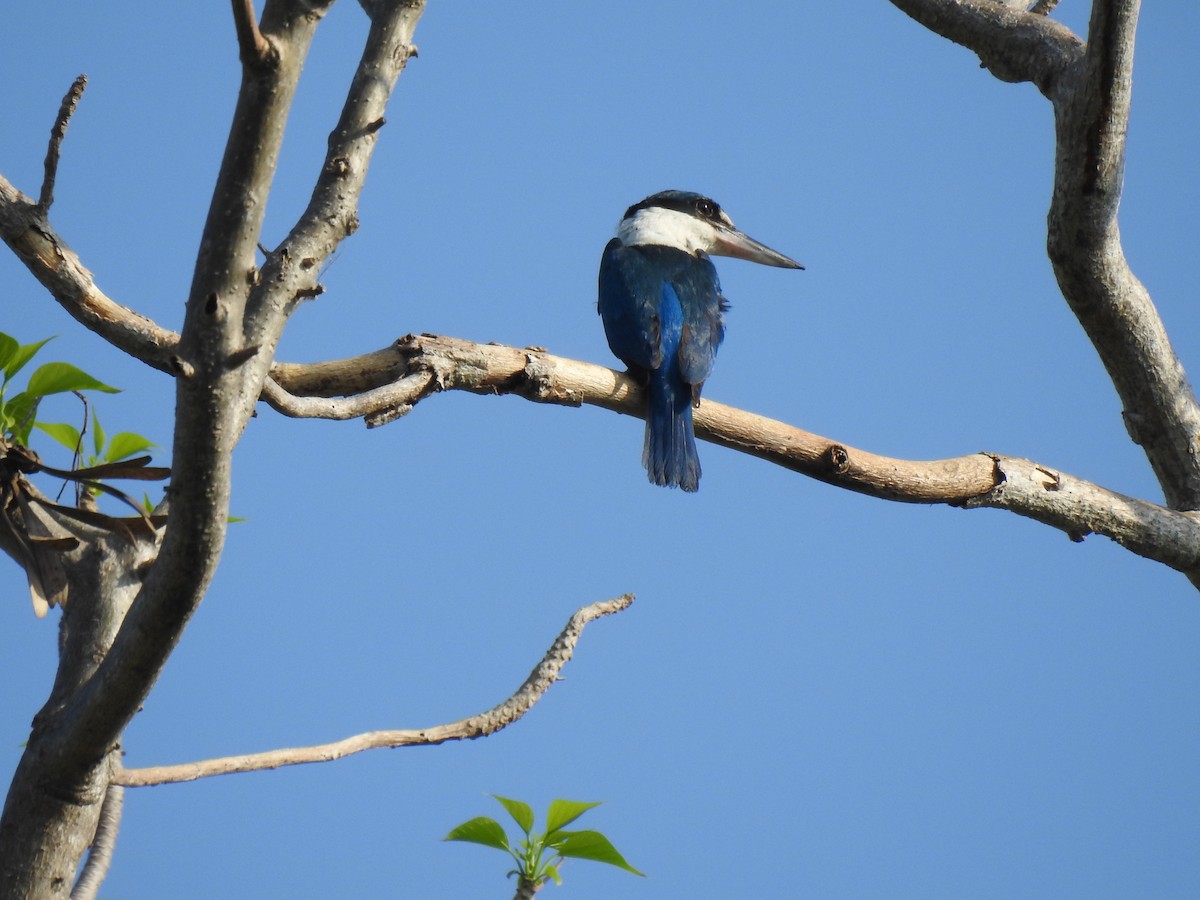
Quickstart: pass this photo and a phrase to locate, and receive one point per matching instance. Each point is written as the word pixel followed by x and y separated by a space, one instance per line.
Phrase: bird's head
pixel 695 224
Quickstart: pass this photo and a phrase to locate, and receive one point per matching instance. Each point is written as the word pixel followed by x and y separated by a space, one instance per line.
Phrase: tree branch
pixel 57 133
pixel 544 674
pixel 253 48
pixel 1084 244
pixel 289 274
pixel 59 270
pixel 100 855
pixel 392 381
pixel 1090 88
pixel 390 400
pixel 381 385
pixel 1012 44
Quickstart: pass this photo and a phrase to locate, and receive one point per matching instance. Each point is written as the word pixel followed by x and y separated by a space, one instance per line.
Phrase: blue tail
pixel 669 454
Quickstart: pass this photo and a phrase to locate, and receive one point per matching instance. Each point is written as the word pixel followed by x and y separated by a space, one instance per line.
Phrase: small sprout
pixel 539 856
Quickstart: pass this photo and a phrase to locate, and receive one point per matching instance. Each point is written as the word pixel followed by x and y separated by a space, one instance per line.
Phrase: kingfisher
pixel 664 316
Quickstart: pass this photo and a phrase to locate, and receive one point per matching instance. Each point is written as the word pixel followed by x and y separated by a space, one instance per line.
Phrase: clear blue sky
pixel 816 693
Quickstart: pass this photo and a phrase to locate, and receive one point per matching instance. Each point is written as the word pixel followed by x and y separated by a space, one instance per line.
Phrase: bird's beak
pixel 731 242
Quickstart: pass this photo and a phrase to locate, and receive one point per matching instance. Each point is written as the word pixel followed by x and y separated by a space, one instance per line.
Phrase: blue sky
pixel 816 693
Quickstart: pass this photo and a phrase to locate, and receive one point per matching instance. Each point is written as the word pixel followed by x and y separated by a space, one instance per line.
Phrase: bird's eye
pixel 706 208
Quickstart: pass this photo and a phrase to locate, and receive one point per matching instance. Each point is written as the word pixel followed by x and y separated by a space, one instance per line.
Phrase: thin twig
pixel 57 133
pixel 101 852
pixel 398 397
pixel 544 674
pixel 252 46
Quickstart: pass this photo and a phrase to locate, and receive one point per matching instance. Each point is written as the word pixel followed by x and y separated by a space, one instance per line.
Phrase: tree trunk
pixel 54 801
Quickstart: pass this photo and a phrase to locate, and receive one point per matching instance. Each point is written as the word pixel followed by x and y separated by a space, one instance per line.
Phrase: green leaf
pixel 591 845
pixel 126 444
pixel 563 813
pixel 9 346
pixel 98 435
pixel 61 378
pixel 522 813
pixel 481 830
pixel 551 871
pixel 67 435
pixel 15 362
pixel 19 414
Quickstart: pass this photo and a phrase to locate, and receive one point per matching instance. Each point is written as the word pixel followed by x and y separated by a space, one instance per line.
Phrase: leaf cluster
pixel 539 855
pixel 18 414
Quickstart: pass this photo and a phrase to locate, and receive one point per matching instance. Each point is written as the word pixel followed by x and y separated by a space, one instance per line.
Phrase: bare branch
pixel 253 48
pixel 544 674
pixel 100 855
pixel 289 274
pixel 1090 88
pixel 1014 45
pixel 424 364
pixel 1084 244
pixel 60 271
pixel 57 133
pixel 1092 120
pixel 394 399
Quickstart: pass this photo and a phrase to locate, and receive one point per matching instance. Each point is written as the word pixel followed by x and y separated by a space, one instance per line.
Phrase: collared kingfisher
pixel 663 314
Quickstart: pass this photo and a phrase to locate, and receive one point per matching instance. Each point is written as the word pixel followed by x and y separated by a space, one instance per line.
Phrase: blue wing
pixel 628 305
pixel 634 283
pixel 699 293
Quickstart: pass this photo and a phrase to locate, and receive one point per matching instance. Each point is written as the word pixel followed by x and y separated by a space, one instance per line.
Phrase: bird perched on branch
pixel 663 314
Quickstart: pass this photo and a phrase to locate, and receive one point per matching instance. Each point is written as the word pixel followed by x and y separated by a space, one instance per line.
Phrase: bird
pixel 664 316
